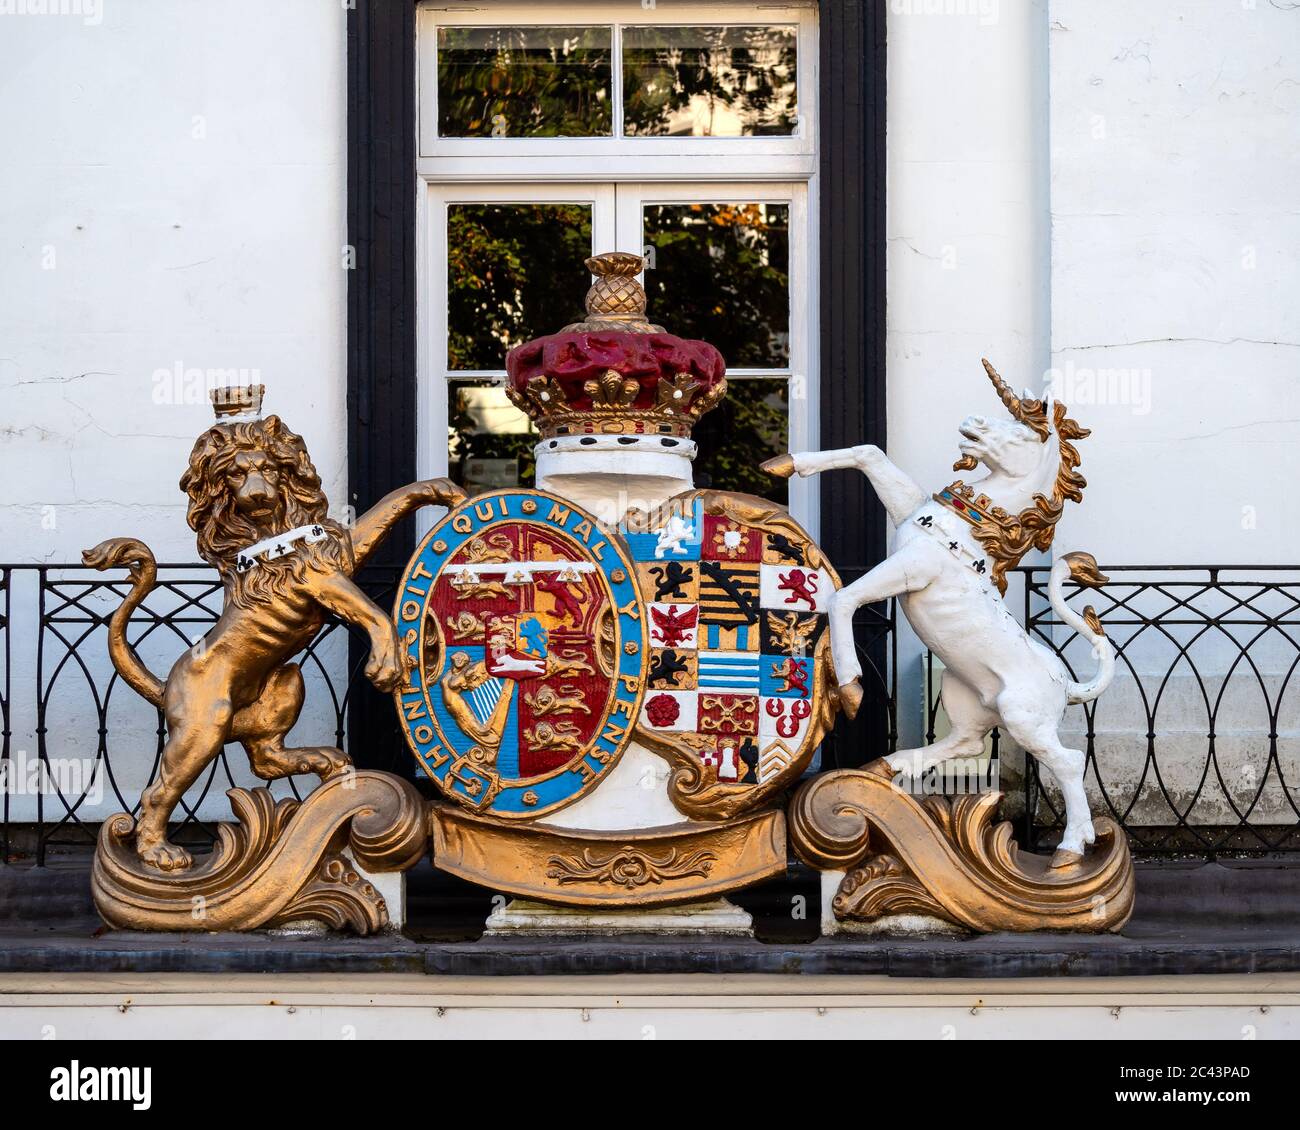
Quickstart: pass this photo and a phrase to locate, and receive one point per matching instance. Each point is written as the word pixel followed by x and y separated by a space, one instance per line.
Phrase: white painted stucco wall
pixel 1175 271
pixel 1103 193
pixel 967 221
pixel 173 196
pixel 1085 186
pixel 1176 260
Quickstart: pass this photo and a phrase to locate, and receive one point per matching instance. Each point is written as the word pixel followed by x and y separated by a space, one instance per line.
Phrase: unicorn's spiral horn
pixel 1004 392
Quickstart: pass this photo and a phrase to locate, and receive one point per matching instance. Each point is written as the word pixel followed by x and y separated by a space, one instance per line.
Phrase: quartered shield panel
pixel 523 620
pixel 736 599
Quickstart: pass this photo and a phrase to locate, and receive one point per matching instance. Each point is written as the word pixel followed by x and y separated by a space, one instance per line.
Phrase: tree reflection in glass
pixel 751 424
pixel 709 81
pixel 514 272
pixel 721 272
pixel 489 442
pixel 525 81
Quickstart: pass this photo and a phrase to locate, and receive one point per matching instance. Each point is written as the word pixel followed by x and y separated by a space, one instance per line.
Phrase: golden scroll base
pixel 281 863
pixel 944 857
pixel 645 867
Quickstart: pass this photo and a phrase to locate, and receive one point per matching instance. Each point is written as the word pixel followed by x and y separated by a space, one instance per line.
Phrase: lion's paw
pixel 335 764
pixel 325 761
pixel 164 856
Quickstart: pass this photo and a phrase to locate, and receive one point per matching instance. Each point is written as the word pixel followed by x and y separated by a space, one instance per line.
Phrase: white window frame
pixel 486 158
pixel 646 170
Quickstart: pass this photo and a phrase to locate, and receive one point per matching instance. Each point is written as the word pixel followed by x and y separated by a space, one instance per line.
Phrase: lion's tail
pixel 1082 567
pixel 139 560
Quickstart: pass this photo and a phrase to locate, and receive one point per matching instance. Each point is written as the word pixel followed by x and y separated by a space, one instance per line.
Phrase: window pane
pixel 490 442
pixel 721 272
pixel 750 425
pixel 709 81
pixel 525 81
pixel 514 272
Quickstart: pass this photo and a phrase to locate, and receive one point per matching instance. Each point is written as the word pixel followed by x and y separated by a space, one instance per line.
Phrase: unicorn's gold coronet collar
pixel 962 500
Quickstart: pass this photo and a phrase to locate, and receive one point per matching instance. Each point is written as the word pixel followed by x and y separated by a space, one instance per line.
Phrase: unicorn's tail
pixel 1082 568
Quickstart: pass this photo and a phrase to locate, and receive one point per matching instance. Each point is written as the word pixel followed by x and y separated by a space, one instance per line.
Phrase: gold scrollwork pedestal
pixel 642 868
pixel 282 862
pixel 944 857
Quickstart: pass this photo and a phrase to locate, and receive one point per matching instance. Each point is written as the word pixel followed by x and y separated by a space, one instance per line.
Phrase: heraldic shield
pixel 524 633
pixel 739 690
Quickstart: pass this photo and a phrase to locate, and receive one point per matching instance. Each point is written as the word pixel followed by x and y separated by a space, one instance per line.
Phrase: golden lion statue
pixel 257 507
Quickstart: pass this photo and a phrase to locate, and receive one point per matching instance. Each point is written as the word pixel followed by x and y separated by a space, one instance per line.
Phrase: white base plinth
pixel 896 925
pixel 391 885
pixel 716 917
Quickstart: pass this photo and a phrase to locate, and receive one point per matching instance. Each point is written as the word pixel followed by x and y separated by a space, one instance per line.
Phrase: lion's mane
pixel 222 531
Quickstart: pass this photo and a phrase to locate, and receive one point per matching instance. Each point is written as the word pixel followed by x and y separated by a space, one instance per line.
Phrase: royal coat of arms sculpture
pixel 537 647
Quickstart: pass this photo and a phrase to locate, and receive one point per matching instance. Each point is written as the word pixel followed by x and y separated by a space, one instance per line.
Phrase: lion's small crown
pixel 240 401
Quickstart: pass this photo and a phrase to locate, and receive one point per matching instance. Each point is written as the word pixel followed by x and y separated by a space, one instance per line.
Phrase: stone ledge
pixel 1197 950
pixel 1236 917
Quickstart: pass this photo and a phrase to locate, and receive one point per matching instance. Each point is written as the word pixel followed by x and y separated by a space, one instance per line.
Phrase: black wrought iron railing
pixel 79 744
pixel 1194 750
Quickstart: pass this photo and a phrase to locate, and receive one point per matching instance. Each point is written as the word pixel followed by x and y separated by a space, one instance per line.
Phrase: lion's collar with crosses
pixel 278 545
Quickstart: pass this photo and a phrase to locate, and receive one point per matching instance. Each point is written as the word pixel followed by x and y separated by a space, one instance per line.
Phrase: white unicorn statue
pixel 951 551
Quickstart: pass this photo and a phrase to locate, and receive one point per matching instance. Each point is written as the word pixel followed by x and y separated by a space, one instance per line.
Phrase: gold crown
pixel 237 400
pixel 615 373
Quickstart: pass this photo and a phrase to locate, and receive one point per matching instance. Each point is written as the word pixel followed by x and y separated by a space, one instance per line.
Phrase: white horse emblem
pixel 671 537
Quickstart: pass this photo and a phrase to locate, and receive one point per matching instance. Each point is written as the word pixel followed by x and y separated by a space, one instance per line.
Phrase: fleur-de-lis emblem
pixel 611 390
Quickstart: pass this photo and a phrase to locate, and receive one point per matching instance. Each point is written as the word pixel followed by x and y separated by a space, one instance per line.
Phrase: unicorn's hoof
pixel 1063 858
pixel 851 699
pixel 782 466
pixel 882 767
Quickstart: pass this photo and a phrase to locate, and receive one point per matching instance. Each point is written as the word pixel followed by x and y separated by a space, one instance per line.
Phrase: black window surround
pixel 383 286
